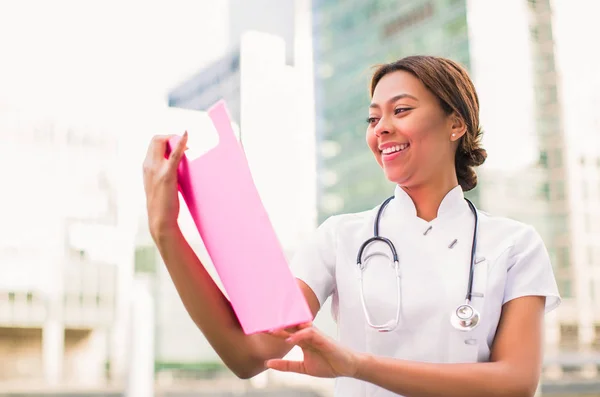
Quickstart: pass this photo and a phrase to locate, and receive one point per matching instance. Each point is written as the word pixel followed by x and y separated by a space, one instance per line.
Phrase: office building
pixel 222 78
pixel 60 254
pixel 349 39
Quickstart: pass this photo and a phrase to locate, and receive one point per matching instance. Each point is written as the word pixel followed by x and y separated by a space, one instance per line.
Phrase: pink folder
pixel 223 201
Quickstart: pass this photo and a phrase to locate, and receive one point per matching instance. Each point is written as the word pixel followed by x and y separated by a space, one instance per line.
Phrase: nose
pixel 382 127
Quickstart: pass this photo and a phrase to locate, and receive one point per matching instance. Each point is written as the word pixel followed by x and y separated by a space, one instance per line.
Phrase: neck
pixel 428 197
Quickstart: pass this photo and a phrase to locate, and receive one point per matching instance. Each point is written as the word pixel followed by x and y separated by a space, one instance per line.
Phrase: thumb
pixel 177 153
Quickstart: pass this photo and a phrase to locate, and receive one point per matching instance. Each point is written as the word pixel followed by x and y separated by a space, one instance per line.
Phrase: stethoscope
pixel 463 318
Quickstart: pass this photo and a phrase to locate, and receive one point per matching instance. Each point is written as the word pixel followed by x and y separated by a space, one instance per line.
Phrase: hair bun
pixel 475 157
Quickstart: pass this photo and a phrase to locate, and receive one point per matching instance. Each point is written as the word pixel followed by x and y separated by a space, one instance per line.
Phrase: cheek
pixel 426 132
pixel 371 140
pixel 373 145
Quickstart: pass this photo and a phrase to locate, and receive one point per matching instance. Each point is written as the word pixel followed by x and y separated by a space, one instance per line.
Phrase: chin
pixel 396 178
pixel 399 177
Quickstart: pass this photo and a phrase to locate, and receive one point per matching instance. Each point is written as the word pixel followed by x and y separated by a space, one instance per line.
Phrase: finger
pixel 305 325
pixel 177 153
pixel 157 147
pixel 280 333
pixel 306 336
pixel 286 366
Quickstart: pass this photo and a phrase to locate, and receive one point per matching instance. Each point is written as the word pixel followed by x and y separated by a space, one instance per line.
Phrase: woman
pixel 398 329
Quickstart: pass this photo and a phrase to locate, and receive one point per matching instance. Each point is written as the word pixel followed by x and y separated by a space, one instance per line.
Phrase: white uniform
pixel 512 261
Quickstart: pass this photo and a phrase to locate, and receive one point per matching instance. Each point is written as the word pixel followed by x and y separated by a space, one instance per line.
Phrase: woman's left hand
pixel 323 357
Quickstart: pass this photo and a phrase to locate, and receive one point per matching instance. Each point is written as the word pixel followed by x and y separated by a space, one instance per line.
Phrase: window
pixel 569 336
pixel 588 223
pixel 559 190
pixel 533 32
pixel 145 260
pixel 562 257
pixel 558 161
pixel 543 159
pixel 406 20
pixel 544 192
pixel 565 288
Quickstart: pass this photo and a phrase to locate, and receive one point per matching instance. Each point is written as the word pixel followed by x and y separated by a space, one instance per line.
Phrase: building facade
pixel 59 250
pixel 349 39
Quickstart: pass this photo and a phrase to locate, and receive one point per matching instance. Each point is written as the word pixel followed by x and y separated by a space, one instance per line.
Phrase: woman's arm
pixel 514 369
pixel 212 312
pixel 204 301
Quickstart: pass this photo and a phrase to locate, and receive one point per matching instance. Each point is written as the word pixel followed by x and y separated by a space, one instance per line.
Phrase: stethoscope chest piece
pixel 465 317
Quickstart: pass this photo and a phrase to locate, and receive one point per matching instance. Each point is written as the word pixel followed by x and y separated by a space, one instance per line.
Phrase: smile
pixel 394 149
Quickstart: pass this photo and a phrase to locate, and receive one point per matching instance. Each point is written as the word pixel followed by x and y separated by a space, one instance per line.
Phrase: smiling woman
pixel 397 273
pixel 428 78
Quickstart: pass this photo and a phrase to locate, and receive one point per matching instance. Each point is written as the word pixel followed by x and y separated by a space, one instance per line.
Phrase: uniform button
pixel 470 341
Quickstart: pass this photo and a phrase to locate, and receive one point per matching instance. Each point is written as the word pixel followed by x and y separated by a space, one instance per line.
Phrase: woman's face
pixel 409 132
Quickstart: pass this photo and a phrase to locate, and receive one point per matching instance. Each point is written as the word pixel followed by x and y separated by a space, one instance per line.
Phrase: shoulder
pixel 351 221
pixel 515 238
pixel 494 226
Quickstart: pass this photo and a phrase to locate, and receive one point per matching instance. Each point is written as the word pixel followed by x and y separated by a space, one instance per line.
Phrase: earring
pixel 453 134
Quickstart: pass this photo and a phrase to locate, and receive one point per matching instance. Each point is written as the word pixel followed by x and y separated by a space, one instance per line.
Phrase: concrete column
pixel 53 343
pixel 552 345
pixel 140 379
pixel 587 334
pixel 86 358
pixel 53 331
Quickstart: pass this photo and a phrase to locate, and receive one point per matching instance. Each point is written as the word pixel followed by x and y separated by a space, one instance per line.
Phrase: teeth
pixel 393 149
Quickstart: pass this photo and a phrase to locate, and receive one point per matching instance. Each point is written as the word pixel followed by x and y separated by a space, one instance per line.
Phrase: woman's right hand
pixel 160 184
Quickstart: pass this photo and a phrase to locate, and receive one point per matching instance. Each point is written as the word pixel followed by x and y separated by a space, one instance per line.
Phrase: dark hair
pixel 451 84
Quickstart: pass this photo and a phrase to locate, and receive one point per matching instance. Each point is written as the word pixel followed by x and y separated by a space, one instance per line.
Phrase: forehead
pixel 400 82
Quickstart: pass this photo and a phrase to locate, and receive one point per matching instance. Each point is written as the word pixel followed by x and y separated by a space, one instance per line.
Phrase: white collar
pixel 452 204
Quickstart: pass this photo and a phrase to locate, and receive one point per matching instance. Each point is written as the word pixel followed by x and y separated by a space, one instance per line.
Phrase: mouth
pixel 395 149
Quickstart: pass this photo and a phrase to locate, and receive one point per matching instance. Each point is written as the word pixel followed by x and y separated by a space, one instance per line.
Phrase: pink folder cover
pixel 224 203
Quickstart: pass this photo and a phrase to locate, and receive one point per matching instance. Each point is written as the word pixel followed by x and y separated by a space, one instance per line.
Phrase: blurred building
pixel 59 249
pixel 349 39
pixel 578 88
pixel 540 171
pixel 221 79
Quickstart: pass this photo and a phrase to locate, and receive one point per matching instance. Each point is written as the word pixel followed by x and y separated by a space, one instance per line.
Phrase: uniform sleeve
pixel 314 262
pixel 530 271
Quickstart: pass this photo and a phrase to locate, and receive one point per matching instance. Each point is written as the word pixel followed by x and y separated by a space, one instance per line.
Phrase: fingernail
pixel 185 133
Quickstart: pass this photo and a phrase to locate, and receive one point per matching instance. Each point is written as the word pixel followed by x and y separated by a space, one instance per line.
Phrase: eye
pixel 372 120
pixel 401 110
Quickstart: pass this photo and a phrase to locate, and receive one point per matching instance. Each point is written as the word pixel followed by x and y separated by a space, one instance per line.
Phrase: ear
pixel 457 127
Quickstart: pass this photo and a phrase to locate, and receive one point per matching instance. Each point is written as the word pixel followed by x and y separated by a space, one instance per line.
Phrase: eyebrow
pixel 394 99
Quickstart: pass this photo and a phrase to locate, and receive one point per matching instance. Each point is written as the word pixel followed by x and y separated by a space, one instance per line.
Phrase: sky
pixel 104 53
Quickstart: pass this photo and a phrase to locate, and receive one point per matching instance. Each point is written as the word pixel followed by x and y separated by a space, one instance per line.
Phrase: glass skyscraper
pixel 349 39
